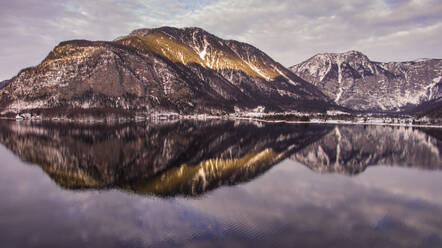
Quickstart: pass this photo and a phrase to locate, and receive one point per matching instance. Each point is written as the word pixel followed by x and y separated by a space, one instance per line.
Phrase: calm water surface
pixel 219 184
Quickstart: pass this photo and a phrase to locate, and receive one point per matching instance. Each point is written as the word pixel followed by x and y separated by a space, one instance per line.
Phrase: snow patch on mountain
pixel 285 76
pixel 257 70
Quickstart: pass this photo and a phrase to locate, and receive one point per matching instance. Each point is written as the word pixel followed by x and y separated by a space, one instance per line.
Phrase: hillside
pixel 158 71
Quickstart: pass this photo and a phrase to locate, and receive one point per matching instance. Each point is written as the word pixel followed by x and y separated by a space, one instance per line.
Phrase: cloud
pixel 289 31
pixel 293 31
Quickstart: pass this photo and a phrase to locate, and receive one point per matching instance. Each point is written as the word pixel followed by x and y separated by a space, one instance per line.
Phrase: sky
pixel 288 31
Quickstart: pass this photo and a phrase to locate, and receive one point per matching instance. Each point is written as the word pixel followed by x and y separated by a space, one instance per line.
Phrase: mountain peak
pixel 347 56
pixel 141 31
pixel 353 52
pixel 195 45
pixel 169 30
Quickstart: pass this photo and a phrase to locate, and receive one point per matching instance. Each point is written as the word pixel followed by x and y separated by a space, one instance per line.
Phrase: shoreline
pixel 212 117
pixel 343 123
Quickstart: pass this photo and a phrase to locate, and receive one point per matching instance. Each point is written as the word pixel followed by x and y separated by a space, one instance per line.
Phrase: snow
pixel 322 74
pixel 257 70
pixel 428 91
pixel 19 105
pixel 86 105
pixel 371 68
pixel 336 112
pixel 203 53
pixel 339 61
pixel 338 147
pixel 181 58
pixel 338 96
pixel 282 74
pixel 421 60
pixel 313 68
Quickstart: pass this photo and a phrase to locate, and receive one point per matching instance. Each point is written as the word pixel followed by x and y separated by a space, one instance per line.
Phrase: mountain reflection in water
pixel 351 149
pixel 165 185
pixel 191 157
pixel 186 158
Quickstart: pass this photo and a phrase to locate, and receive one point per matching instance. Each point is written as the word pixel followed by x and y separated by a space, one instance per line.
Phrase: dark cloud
pixel 289 31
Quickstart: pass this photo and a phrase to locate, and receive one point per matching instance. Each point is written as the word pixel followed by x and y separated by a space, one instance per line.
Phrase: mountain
pixel 351 149
pixel 162 70
pixel 356 82
pixel 3 83
pixel 164 158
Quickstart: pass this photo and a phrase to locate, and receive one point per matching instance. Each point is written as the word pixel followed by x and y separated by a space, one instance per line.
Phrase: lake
pixel 219 184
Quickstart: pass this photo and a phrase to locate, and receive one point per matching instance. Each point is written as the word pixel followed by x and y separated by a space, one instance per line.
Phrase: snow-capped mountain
pixel 352 80
pixel 162 70
pixel 351 149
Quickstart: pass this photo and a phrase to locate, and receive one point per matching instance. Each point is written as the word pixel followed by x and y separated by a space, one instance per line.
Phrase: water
pixel 219 184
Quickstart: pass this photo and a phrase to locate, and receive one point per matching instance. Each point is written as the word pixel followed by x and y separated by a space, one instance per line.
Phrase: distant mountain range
pixel 352 80
pixel 188 71
pixel 163 70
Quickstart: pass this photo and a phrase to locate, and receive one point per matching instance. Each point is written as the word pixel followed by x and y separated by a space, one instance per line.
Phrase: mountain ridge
pixel 352 80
